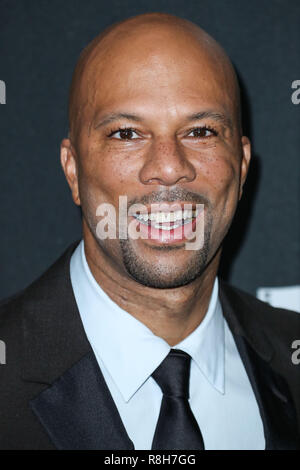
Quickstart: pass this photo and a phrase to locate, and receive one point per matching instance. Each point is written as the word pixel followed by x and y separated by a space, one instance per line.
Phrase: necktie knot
pixel 173 374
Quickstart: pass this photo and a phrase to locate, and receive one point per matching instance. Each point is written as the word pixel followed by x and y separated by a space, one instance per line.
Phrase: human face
pixel 160 127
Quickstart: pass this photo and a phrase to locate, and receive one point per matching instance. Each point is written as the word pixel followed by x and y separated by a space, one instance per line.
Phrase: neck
pixel 171 314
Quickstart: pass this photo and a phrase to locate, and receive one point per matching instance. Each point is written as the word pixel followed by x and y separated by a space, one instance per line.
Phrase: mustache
pixel 171 195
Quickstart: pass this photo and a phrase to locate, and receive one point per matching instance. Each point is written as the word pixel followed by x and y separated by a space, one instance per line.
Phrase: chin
pixel 171 266
pixel 162 282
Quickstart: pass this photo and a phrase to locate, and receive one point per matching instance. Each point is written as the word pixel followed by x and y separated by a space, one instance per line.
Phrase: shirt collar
pixel 129 349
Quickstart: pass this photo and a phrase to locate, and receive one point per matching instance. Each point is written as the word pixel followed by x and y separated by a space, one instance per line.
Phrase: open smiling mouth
pixel 168 226
pixel 167 220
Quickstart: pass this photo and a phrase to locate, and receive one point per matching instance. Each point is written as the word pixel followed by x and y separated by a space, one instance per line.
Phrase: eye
pixel 125 133
pixel 205 131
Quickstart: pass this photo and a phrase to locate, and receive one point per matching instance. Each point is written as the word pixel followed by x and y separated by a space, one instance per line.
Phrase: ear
pixel 69 166
pixel 246 157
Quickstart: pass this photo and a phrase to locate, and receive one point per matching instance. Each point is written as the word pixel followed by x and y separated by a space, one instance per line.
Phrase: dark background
pixel 40 41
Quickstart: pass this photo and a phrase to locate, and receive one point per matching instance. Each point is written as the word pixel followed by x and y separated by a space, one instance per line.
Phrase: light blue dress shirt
pixel 127 352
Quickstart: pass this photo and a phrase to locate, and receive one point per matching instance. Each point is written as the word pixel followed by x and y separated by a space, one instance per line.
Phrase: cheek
pixel 106 172
pixel 117 174
pixel 221 174
pixel 220 170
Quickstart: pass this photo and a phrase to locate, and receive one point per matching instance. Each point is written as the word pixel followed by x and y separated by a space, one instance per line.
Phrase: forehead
pixel 156 71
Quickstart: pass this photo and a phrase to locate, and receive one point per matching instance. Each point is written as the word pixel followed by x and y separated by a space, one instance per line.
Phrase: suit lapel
pixel 75 405
pixel 273 397
pixel 78 411
pixel 272 393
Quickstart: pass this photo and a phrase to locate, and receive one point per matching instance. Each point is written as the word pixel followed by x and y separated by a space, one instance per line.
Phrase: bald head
pixel 140 40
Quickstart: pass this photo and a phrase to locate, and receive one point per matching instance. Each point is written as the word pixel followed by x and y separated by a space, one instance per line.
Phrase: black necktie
pixel 176 427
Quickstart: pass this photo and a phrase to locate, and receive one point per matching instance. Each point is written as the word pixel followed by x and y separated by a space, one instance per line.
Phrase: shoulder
pixel 261 310
pixel 281 326
pixel 47 289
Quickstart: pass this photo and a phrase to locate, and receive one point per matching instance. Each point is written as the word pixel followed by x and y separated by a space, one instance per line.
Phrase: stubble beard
pixel 160 276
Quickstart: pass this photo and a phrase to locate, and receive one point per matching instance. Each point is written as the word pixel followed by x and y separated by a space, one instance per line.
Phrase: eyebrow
pixel 216 116
pixel 115 117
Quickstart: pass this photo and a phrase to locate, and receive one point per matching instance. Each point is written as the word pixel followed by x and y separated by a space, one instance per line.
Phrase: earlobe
pixel 246 157
pixel 69 166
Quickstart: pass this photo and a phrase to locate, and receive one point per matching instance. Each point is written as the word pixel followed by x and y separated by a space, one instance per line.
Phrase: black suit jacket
pixel 53 394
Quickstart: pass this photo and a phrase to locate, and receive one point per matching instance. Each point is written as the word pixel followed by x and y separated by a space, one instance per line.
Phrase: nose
pixel 166 164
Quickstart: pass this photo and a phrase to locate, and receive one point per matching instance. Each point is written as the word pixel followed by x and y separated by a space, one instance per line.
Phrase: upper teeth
pixel 161 217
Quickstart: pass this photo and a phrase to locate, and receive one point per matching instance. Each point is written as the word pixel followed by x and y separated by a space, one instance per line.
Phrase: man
pixel 131 341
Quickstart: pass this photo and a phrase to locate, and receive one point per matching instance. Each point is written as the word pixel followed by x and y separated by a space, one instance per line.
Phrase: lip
pixel 166 207
pixel 159 236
